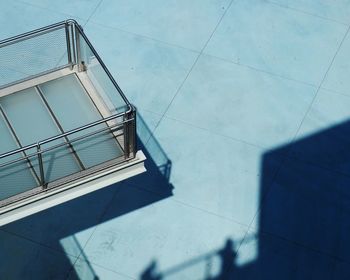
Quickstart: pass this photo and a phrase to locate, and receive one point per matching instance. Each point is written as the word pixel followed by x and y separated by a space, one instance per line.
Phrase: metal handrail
pixel 53 138
pixel 62 144
pixel 31 34
pixel 66 24
pixel 73 34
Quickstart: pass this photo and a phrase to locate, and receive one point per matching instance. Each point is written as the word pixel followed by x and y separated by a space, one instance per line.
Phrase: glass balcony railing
pixel 63 118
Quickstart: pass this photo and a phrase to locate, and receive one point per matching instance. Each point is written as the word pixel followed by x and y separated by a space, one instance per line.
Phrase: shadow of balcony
pixel 50 248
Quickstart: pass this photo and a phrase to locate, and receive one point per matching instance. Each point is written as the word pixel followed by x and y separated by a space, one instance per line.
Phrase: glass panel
pixel 101 81
pixel 73 108
pixel 32 122
pixel 15 178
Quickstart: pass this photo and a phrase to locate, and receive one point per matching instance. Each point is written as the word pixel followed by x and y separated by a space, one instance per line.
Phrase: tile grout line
pixel 333 91
pixel 93 231
pixel 213 132
pixel 260 70
pixel 192 67
pixel 133 185
pixel 43 245
pixel 144 36
pixel 272 2
pixel 320 85
pixel 93 12
pixel 23 2
pixel 111 270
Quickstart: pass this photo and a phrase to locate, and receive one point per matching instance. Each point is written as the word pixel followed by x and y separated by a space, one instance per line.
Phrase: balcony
pixel 66 128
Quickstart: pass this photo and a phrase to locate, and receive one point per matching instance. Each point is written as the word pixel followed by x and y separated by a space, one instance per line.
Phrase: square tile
pixel 185 23
pixel 242 103
pixel 167 233
pixel 336 10
pixel 148 72
pixel 19 18
pixel 24 259
pixel 277 40
pixel 213 172
pixel 77 8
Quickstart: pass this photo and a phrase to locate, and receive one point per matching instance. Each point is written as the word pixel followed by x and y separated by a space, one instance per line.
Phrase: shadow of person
pixel 150 272
pixel 228 261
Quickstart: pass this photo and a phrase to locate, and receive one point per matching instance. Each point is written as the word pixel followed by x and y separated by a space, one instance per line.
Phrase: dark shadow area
pixel 303 225
pixel 307 209
pixel 55 228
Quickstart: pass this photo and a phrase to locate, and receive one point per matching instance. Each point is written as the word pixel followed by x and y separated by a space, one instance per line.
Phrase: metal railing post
pixel 130 134
pixel 41 166
pixel 69 51
pixel 74 52
pixel 126 137
pixel 78 50
pixel 133 132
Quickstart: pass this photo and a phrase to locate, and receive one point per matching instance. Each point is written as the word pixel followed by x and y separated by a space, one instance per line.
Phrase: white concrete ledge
pixel 72 190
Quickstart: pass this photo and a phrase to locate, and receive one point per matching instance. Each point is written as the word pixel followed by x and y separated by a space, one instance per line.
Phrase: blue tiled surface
pixel 184 23
pixel 226 98
pixel 304 49
pixel 243 115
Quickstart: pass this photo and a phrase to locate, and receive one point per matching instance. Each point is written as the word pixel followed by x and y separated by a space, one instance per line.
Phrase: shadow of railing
pixel 215 265
pixel 55 228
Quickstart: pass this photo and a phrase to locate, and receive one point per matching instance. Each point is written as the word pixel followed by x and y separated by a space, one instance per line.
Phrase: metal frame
pixel 74 33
